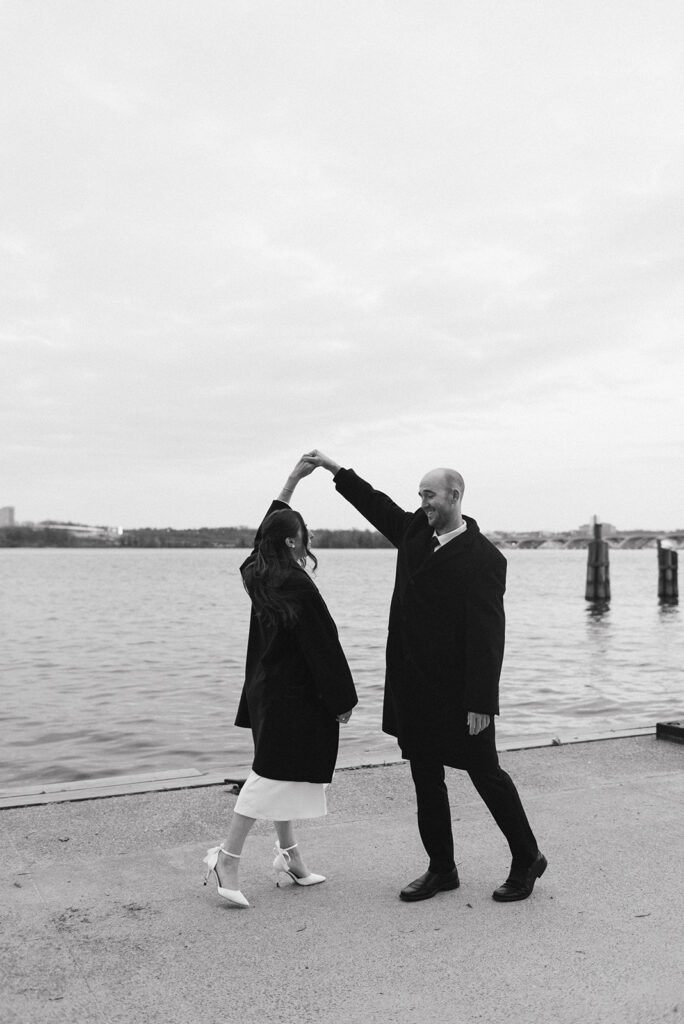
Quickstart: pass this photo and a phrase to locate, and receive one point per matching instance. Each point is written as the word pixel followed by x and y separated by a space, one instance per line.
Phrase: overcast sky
pixel 409 233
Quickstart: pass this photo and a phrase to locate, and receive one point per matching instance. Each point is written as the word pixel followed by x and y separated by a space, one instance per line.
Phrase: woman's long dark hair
pixel 266 577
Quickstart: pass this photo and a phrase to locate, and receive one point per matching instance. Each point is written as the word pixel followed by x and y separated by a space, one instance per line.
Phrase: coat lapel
pixel 419 551
pixel 452 551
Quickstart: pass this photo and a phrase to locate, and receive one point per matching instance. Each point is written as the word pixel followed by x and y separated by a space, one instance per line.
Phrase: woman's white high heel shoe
pixel 281 864
pixel 232 895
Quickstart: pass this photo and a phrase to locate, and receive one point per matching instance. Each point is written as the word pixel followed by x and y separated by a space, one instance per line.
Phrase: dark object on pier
pixel 668 586
pixel 670 731
pixel 598 568
pixel 235 785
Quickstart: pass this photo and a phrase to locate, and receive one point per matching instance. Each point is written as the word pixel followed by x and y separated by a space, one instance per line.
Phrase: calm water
pixel 123 661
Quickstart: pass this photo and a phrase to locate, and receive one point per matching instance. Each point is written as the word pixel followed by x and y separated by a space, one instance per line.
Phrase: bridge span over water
pixel 633 540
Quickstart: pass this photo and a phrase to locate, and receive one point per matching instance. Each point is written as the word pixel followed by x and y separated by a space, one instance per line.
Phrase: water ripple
pixel 120 662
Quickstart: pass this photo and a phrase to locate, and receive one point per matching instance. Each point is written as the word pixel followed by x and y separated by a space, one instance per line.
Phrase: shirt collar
pixel 444 538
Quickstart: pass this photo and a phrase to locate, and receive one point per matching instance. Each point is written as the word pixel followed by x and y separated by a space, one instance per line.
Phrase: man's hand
pixel 344 718
pixel 476 723
pixel 317 458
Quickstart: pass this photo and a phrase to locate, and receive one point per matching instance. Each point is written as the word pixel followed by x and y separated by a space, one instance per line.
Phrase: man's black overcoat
pixel 297 681
pixel 446 632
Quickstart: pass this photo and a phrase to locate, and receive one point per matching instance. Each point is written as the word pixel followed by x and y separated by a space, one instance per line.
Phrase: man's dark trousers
pixel 497 790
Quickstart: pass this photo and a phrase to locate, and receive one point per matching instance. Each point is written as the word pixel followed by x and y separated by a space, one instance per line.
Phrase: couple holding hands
pixel 444 653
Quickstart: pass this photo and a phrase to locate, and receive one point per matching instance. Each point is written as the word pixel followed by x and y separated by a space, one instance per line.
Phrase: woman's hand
pixel 303 468
pixel 316 458
pixel 344 718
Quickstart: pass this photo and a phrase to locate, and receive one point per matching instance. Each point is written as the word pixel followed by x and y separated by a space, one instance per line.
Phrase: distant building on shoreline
pixel 607 529
pixel 111 533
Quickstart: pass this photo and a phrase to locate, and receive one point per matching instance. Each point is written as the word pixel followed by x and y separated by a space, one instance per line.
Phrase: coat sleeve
pixel 316 634
pixel 484 639
pixel 379 509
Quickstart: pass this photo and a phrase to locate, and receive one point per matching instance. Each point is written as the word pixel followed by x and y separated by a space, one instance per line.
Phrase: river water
pixel 120 661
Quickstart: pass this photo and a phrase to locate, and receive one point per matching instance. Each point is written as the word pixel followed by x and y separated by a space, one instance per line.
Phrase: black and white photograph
pixel 341 506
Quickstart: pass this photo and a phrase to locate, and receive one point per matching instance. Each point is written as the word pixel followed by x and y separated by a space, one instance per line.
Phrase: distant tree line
pixel 28 537
pixel 349 539
pixel 242 537
pixel 204 537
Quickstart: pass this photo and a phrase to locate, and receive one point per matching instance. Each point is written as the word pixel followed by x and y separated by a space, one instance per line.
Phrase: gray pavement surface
pixel 105 919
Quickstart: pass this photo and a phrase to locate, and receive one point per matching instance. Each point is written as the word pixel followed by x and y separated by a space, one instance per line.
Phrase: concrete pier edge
pixel 191 778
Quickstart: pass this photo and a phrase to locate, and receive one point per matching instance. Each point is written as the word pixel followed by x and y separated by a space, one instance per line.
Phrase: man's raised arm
pixel 378 508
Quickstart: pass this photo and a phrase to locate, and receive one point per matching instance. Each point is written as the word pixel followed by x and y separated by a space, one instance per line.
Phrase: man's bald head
pixel 446 479
pixel 441 492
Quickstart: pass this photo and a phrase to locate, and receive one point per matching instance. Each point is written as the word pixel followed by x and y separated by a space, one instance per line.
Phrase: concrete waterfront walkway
pixel 104 918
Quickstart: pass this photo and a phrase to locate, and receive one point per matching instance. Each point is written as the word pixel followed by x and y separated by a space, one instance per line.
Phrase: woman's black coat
pixel 296 683
pixel 446 632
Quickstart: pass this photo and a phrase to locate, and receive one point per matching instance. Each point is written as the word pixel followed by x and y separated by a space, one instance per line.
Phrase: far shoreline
pixel 241 538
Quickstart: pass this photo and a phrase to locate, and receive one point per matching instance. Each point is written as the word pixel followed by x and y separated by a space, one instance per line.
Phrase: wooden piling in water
pixel 668 585
pixel 598 567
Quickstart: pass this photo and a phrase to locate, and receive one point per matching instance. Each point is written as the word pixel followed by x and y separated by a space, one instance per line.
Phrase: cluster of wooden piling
pixel 598 570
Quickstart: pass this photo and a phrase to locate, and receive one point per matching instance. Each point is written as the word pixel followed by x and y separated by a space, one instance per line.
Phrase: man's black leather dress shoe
pixel 429 885
pixel 519 887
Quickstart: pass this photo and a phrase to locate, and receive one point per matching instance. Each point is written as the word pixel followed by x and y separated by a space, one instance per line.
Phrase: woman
pixel 297 690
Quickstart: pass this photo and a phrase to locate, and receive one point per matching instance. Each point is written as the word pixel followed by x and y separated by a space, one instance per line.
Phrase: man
pixel 444 653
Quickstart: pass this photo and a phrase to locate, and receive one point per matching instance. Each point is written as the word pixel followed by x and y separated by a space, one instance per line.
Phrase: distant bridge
pixel 569 541
pixel 646 540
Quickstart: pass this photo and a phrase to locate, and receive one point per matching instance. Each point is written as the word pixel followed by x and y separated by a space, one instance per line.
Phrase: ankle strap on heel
pixel 284 851
pixel 229 854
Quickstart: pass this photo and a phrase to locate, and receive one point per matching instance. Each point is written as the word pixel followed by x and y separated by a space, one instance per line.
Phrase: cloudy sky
pixel 408 233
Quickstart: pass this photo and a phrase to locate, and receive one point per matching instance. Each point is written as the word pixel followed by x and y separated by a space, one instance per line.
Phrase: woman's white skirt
pixel 278 800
